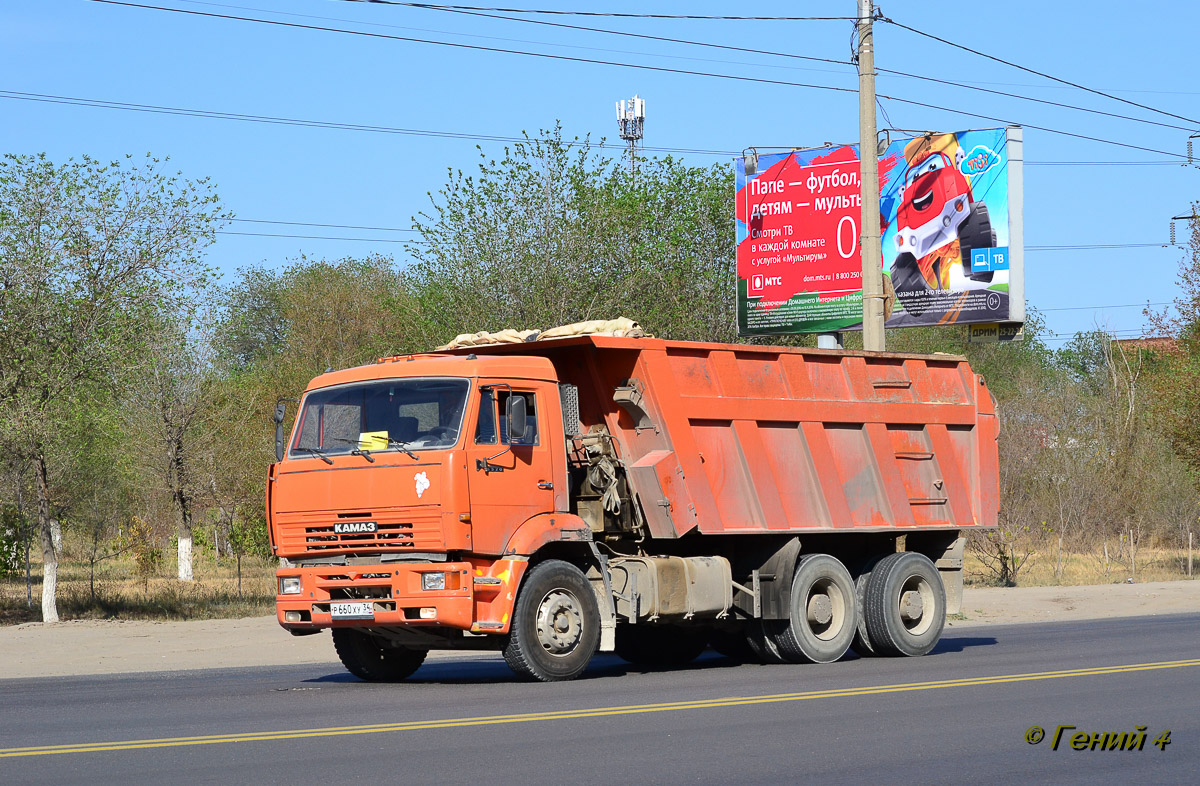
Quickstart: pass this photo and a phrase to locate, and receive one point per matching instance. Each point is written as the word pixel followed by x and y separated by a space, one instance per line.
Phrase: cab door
pixel 512 480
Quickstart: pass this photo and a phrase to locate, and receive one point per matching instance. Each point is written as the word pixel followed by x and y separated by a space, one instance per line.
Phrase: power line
pixel 1103 163
pixel 563 25
pixel 96 103
pixel 440 7
pixel 1097 246
pixel 1044 101
pixel 310 224
pixel 965 86
pixel 1095 308
pixel 661 69
pixel 476 47
pixel 1039 73
pixel 305 123
pixel 527 41
pixel 315 237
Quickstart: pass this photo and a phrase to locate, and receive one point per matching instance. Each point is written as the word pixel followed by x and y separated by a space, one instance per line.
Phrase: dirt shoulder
pixel 113 647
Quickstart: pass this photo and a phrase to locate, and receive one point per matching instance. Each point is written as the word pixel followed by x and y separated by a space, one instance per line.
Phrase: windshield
pixel 387 415
pixel 931 164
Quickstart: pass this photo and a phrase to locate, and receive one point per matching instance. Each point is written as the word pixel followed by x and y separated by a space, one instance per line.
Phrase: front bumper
pixel 393 590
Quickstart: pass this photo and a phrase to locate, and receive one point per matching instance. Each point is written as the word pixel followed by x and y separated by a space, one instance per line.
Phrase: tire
pixel 823 617
pixel 761 643
pixel 976 232
pixel 909 284
pixel 734 645
pixel 862 642
pixel 367 658
pixel 892 584
pixel 660 645
pixel 556 624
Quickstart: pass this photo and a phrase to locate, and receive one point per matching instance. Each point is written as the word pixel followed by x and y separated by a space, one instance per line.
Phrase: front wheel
pixel 368 658
pixel 905 605
pixel 556 624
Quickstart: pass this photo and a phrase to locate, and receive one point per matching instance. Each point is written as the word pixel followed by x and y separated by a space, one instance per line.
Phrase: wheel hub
pixel 820 609
pixel 911 606
pixel 559 622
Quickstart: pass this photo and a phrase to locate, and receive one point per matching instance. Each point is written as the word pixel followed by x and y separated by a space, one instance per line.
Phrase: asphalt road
pixel 957 715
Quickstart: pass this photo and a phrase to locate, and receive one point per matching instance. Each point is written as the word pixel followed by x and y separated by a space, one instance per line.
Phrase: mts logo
pixel 758 282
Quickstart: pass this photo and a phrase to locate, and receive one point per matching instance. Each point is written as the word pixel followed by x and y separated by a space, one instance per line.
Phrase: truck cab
pixel 403 486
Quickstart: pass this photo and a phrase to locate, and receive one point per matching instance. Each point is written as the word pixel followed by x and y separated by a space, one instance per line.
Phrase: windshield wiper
pixel 317 452
pixel 395 443
pixel 357 450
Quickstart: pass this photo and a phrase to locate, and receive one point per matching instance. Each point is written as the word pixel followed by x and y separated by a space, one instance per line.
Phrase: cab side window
pixel 485 427
pixel 531 420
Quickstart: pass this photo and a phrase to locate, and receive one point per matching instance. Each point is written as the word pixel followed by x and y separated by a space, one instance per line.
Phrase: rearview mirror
pixel 514 412
pixel 280 414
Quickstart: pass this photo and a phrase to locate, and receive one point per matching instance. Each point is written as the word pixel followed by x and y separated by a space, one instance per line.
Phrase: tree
pixel 168 407
pixel 1175 363
pixel 89 254
pixel 555 232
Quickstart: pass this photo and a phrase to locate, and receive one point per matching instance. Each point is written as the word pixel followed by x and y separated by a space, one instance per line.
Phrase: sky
pixel 60 51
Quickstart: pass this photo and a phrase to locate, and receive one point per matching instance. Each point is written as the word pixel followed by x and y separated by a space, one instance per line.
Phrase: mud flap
pixel 604 596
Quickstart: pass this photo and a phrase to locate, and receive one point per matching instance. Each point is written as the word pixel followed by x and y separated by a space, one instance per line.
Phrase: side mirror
pixel 280 413
pixel 514 412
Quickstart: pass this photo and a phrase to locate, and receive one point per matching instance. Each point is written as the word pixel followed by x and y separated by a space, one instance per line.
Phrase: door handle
pixel 545 484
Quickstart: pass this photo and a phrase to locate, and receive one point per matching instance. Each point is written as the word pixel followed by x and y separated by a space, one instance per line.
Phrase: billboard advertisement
pixel 950 216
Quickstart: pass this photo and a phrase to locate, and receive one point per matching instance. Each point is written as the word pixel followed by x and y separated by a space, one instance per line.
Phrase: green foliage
pixel 248 537
pixel 555 232
pixel 14 532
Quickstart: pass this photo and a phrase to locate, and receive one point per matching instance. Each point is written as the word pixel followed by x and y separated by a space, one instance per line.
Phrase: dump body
pixel 724 439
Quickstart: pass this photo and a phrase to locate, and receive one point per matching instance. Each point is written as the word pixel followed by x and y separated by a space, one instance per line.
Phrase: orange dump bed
pixel 721 438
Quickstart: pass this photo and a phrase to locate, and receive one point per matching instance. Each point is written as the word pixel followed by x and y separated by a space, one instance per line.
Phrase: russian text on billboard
pixel 946 230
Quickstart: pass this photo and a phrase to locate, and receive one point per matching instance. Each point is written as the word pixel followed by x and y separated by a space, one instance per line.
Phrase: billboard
pixel 950 218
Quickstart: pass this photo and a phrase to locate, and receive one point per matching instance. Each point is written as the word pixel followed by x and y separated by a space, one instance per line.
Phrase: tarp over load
pixel 621 327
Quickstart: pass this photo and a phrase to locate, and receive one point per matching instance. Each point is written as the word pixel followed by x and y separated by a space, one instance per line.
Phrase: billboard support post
pixel 1015 145
pixel 872 255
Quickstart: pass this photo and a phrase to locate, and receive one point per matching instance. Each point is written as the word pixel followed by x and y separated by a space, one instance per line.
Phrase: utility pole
pixel 872 255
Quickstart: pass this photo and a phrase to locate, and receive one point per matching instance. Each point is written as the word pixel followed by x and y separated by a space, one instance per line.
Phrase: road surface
pixel 959 714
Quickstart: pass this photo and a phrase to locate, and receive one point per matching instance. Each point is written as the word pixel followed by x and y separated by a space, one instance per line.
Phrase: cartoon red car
pixel 936 209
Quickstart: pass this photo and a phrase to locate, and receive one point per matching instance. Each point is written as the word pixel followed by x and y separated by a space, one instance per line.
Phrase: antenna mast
pixel 631 117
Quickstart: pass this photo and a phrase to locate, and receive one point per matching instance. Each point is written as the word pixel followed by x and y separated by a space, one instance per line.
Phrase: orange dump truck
pixel 552 499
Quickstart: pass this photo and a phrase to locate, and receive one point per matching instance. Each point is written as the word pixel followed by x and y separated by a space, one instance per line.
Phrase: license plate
pixel 352 611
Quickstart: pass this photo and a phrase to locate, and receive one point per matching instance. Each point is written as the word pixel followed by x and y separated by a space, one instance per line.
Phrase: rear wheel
pixel 369 658
pixel 905 605
pixel 822 621
pixel 862 642
pixel 660 645
pixel 556 624
pixel 762 644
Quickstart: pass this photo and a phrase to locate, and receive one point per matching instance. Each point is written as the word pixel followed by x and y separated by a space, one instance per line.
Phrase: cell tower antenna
pixel 631 118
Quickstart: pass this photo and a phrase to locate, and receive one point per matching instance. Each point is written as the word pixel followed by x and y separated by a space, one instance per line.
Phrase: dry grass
pixel 1042 569
pixel 119 593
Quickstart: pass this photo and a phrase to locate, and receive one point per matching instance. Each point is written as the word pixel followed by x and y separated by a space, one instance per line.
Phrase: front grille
pixel 311 534
pixel 321 538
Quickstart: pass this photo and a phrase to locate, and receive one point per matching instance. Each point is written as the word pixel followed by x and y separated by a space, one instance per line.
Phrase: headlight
pixel 289 585
pixel 433 581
